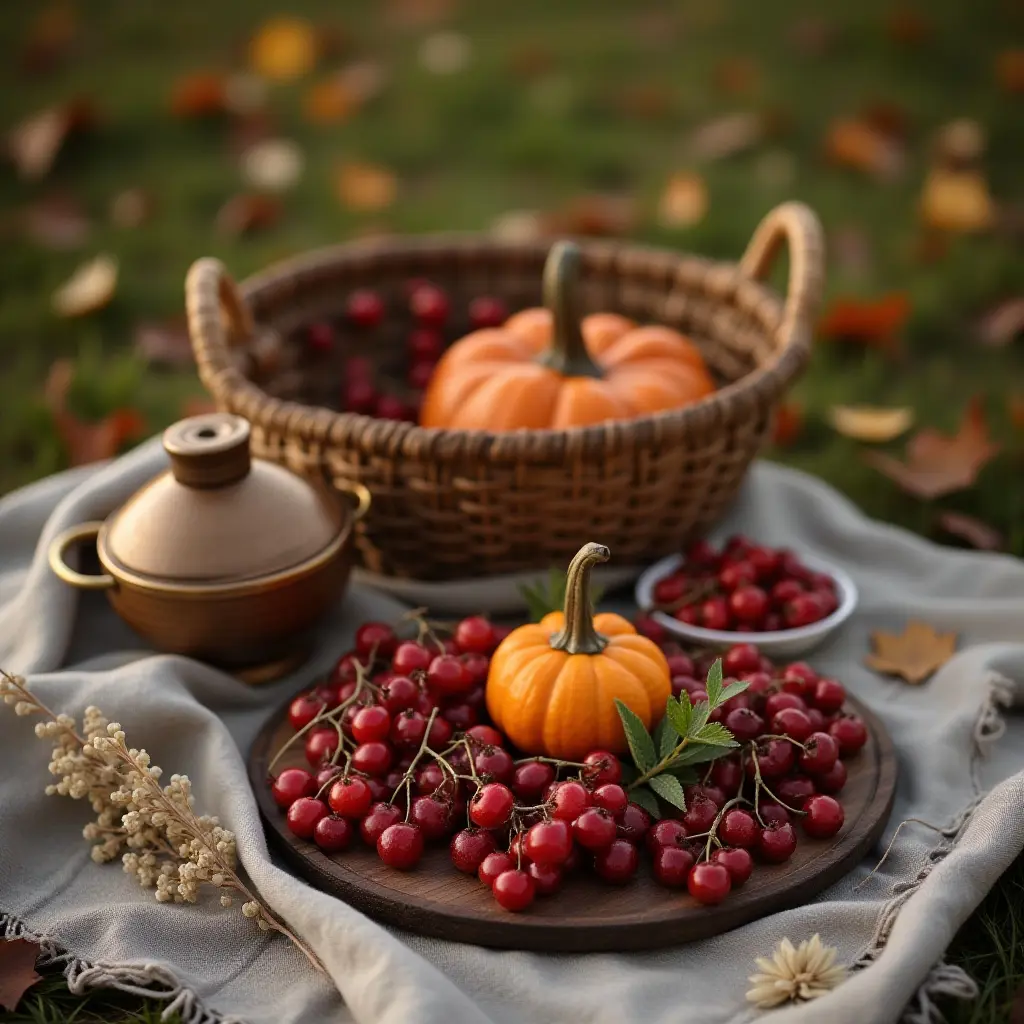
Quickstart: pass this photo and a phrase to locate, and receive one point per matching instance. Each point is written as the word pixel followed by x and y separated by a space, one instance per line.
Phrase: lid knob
pixel 208 451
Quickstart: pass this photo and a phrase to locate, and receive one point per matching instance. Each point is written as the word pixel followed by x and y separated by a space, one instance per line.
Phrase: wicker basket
pixel 456 504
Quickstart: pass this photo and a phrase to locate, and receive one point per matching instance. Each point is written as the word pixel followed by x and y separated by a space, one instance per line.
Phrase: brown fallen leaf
pixel 87 442
pixel 864 322
pixel 17 971
pixel 329 102
pixel 956 201
pixel 164 344
pixel 908 27
pixel 57 221
pixel 960 144
pixel 789 424
pixel 977 533
pixel 283 49
pixel 726 136
pixel 246 212
pixel 737 76
pixel 913 655
pixel 90 287
pixel 936 464
pixel 1009 69
pixel 1002 324
pixel 132 207
pixel 49 39
pixel 599 215
pixel 684 201
pixel 813 36
pixel 34 143
pixel 364 186
pixel 860 146
pixel 870 423
pixel 418 13
pixel 199 94
pixel 647 101
pixel 1015 410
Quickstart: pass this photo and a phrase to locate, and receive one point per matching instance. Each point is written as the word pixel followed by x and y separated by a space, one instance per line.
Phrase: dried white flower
pixel 795 974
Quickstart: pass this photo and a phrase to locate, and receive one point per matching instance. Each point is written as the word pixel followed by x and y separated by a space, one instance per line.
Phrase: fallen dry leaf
pixel 445 53
pixel 960 144
pixel 813 36
pixel 363 186
pixel 274 165
pixel 283 49
pixel 17 971
pixel 648 101
pixel 789 424
pixel 164 344
pixel 131 208
pixel 956 201
pixel 49 39
pixel 865 322
pixel 531 60
pixel 908 27
pixel 597 214
pixel 329 102
pixel 1009 69
pixel 914 654
pixel 90 287
pixel 200 94
pixel 684 201
pixel 870 423
pixel 1015 410
pixel 33 144
pixel 57 221
pixel 245 93
pixel 737 76
pixel 247 212
pixel 726 136
pixel 860 146
pixel 87 442
pixel 418 13
pixel 1002 324
pixel 936 464
pixel 977 533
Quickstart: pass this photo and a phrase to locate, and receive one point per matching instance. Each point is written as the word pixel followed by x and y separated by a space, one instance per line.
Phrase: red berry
pixel 391 407
pixel 303 710
pixel 321 743
pixel 714 613
pixel 375 640
pixel 550 842
pixel 401 845
pixel 823 817
pixel 772 623
pixel 680 664
pixel 446 674
pixel 399 693
pixel 486 736
pixel 784 591
pixel 828 600
pixel 702 554
pixel 739 659
pixel 351 797
pixel 833 780
pixel 633 823
pixel 772 813
pixel 699 816
pixel 727 774
pixel 689 615
pixel 829 696
pixel 494 763
pixel 408 730
pixel 493 865
pixel 602 767
pixel 364 308
pixel 425 345
pixel 611 796
pixel 358 395
pixel 430 778
pixel 320 337
pixel 799 678
pixel 737 862
pixel 765 561
pixel 429 305
pixel 491 805
pixel 654 631
pixel 709 792
pixel 667 832
pixel 327 774
pixel 418 375
pixel 370 723
pixel 569 800
pixel 802 611
pixel 487 311
pixel 709 883
pixel 794 790
pixel 476 667
pixel 531 779
pixel 460 716
pixel 433 816
pixel 617 862
pixel 517 848
pixel 850 734
pixel 514 890
pixel 547 878
pixel 777 842
pixel 469 848
pixel 736 575
pixel 303 815
pixel 672 865
pixel 738 828
pixel 332 833
pixel 819 753
pixel 475 635
pixel 744 724
pixel 774 757
pixel 748 604
pixel 372 758
pixel 380 816
pixel 290 785
pixel 793 723
pixel 758 683
pixel 410 657
pixel 670 589
pixel 775 702
pixel 594 828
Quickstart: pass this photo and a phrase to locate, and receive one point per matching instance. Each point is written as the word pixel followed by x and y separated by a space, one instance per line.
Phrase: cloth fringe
pixel 148 981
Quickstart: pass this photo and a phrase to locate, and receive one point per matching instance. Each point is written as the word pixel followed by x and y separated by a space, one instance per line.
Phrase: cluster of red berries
pixel 745 588
pixel 398 753
pixel 428 308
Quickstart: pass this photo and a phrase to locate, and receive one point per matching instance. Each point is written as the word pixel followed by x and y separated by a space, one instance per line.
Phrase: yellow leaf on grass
pixel 870 423
pixel 284 49
pixel 89 288
pixel 956 201
pixel 366 186
pixel 914 654
pixel 684 201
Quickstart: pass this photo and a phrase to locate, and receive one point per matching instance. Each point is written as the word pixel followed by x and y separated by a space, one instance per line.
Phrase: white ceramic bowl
pixel 782 642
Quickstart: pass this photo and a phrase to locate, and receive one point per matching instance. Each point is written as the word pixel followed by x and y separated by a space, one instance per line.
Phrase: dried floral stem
pixel 888 849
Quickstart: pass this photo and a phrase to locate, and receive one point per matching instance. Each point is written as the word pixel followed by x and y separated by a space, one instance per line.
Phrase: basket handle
pixel 797 226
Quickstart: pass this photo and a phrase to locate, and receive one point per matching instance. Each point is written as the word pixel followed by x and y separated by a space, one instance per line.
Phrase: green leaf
pixel 679 713
pixel 665 737
pixel 641 746
pixel 698 753
pixel 629 772
pixel 684 773
pixel 669 789
pixel 717 734
pixel 731 690
pixel 714 684
pixel 699 718
pixel 647 800
pixel 548 595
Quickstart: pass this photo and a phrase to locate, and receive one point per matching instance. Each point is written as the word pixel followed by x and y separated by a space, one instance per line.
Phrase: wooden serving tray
pixel 586 915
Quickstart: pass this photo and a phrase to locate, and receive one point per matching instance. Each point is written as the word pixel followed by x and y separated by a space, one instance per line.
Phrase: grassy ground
pixel 558 100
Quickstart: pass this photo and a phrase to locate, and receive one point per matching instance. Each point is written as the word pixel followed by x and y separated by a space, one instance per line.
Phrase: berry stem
pixel 759 785
pixel 557 762
pixel 407 777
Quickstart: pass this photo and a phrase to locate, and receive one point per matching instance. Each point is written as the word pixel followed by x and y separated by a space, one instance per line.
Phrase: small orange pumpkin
pixel 546 369
pixel 552 684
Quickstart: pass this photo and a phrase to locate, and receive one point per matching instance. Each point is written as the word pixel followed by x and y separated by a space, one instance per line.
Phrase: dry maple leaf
pixel 17 971
pixel 329 102
pixel 862 146
pixel 34 143
pixel 131 208
pixel 49 38
pixel 363 186
pixel 283 49
pixel 1009 68
pixel 953 200
pixel 865 322
pixel 971 529
pixel 684 201
pixel 247 212
pixel 726 136
pixel 789 424
pixel 200 94
pixel 913 655
pixel 1002 324
pixel 937 464
pixel 90 287
pixel 870 423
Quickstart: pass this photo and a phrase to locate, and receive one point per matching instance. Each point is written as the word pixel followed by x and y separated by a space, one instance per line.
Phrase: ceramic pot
pixel 223 557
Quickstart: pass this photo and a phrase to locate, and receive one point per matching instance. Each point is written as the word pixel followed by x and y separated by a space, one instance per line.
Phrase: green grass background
pixel 468 147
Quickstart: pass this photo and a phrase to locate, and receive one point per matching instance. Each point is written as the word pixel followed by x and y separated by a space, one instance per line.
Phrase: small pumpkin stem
pixel 568 353
pixel 579 636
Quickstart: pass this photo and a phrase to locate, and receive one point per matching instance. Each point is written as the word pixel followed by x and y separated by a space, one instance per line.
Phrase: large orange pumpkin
pixel 546 368
pixel 552 685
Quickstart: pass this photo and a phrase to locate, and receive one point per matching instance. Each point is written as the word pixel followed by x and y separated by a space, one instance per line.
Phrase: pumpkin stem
pixel 579 636
pixel 568 353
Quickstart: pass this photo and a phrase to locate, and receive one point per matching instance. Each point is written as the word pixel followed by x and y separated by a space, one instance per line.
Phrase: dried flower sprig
pixel 795 973
pixel 162 842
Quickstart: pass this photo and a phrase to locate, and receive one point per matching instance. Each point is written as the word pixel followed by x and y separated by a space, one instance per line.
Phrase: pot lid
pixel 218 515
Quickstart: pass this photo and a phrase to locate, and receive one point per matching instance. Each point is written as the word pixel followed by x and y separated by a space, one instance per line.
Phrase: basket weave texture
pixel 450 504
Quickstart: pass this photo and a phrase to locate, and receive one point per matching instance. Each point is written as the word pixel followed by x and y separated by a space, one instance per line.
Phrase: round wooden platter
pixel 586 915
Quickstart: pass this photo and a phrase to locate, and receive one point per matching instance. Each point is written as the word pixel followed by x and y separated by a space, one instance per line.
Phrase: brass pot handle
pixel 60 545
pixel 362 498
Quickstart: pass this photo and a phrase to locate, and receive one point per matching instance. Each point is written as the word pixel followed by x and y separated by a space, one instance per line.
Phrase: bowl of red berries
pixel 783 602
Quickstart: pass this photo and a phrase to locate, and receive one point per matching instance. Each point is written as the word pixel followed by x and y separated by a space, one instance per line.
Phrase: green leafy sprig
pixel 685 737
pixel 548 595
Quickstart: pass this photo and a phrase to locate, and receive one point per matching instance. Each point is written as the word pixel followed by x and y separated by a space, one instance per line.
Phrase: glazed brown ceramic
pixel 223 557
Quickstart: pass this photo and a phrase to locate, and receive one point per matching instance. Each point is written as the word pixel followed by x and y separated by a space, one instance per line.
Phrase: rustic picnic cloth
pixel 961 759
